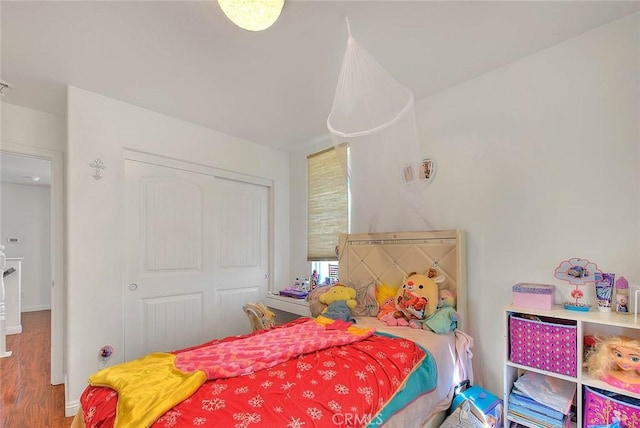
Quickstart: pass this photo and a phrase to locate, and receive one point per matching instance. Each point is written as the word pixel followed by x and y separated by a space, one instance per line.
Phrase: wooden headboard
pixel 388 257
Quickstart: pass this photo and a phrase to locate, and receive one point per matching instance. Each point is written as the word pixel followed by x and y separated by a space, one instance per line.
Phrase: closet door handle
pixel 133 287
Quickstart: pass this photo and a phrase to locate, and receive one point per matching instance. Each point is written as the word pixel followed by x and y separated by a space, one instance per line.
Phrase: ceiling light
pixel 31 177
pixel 252 15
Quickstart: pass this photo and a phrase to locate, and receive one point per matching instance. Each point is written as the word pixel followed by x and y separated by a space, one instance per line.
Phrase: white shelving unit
pixel 587 323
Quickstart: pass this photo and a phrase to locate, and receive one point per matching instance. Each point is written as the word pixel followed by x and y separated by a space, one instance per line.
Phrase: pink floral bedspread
pixel 339 386
pixel 263 351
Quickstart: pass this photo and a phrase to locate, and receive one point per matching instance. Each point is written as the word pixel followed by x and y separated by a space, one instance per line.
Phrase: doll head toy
pixel 616 360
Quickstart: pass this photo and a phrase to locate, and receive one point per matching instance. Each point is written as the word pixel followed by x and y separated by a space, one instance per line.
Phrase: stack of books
pixel 541 401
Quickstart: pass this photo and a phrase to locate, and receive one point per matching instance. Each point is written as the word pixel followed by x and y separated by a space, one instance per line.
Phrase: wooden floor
pixel 28 398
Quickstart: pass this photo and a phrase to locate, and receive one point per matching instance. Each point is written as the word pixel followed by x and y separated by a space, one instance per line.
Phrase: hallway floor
pixel 28 398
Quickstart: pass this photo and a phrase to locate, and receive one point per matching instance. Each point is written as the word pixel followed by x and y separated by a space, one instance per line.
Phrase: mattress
pixel 452 353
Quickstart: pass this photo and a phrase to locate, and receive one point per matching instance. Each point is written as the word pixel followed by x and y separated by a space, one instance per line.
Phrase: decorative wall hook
pixel 98 165
pixel 4 85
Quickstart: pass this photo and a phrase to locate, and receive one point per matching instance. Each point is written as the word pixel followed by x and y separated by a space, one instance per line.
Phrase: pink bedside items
pixel 622 295
pixel 577 272
pixel 539 296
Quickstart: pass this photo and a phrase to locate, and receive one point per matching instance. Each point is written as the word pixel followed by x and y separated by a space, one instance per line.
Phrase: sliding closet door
pixel 241 247
pixel 195 247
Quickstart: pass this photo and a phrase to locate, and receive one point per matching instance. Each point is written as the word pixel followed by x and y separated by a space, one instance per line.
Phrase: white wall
pixel 27 127
pixel 26 215
pixel 100 127
pixel 538 162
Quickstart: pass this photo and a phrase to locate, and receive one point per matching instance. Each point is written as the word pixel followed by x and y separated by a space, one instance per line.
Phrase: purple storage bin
pixel 548 344
pixel 604 409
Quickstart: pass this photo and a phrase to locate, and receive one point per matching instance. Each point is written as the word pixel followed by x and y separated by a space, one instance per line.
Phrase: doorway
pixel 20 157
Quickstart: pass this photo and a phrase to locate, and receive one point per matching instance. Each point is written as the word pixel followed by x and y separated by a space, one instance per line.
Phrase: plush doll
pixel 385 295
pixel 415 301
pixel 446 298
pixel 445 318
pixel 339 300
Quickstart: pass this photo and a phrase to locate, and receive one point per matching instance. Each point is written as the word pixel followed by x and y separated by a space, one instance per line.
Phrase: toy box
pixel 489 407
pixel 545 343
pixel 607 409
pixel 538 296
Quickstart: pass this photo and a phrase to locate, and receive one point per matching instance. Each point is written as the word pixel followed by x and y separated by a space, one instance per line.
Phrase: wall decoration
pixel 98 165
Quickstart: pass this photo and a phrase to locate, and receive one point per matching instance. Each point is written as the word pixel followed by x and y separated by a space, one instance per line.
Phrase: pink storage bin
pixel 548 344
pixel 604 409
pixel 538 296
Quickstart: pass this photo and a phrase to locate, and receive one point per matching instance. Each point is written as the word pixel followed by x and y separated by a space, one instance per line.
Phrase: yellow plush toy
pixel 340 300
pixel 415 301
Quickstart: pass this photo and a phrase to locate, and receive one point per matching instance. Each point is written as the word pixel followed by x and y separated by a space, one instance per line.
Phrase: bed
pixel 320 373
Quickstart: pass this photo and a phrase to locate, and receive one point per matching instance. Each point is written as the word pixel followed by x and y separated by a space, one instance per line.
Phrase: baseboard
pixel 14 329
pixel 35 308
pixel 71 408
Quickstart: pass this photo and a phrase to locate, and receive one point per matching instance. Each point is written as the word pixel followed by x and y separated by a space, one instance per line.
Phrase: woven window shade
pixel 328 210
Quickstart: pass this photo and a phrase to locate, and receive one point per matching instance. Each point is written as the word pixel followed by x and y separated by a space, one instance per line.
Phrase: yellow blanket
pixel 147 388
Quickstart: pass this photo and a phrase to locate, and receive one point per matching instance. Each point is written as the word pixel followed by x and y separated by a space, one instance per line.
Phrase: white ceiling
pixel 185 59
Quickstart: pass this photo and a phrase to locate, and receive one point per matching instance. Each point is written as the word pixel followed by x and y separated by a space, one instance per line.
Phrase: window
pixel 328 273
pixel 328 202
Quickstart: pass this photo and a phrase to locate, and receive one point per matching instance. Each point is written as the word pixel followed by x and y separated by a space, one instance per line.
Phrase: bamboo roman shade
pixel 328 210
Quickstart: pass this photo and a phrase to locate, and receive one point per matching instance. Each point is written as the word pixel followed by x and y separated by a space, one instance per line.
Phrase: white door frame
pixel 57 252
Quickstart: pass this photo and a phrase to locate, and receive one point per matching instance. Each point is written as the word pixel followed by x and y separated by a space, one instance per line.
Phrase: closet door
pixel 241 247
pixel 188 266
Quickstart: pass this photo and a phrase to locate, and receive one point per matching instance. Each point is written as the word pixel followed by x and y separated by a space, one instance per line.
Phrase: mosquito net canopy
pixel 374 115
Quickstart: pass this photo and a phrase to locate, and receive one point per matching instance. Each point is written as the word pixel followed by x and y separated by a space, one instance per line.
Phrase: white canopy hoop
pixel 374 115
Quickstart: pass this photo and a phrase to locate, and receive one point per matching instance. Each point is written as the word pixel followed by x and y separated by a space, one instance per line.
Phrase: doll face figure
pixel 627 358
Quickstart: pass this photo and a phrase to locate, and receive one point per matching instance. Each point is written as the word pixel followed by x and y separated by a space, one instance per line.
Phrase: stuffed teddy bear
pixel 340 300
pixel 415 301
